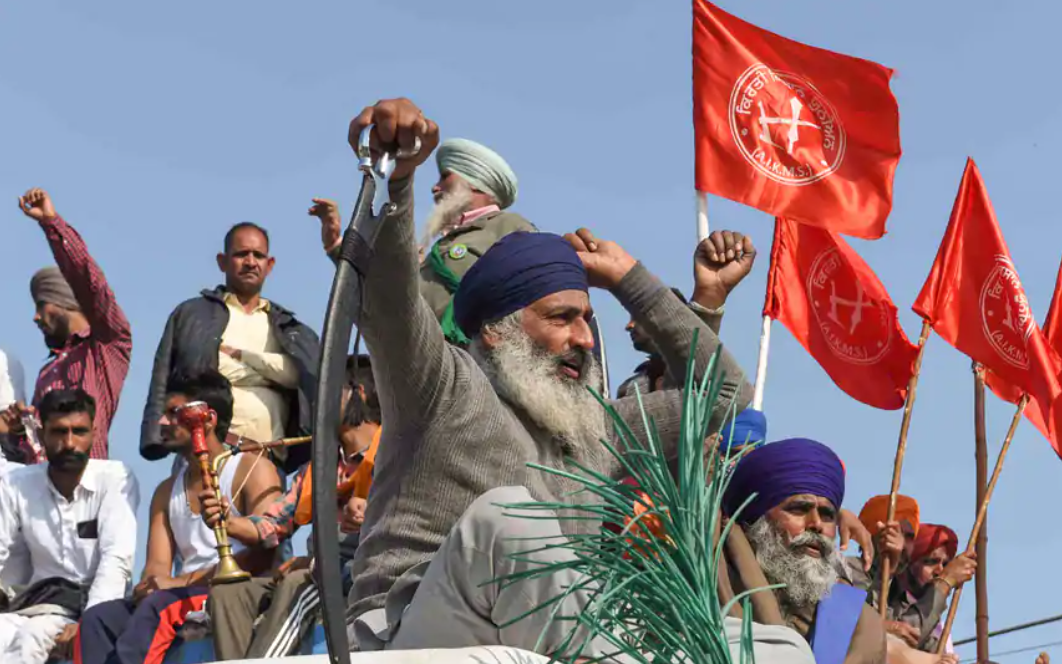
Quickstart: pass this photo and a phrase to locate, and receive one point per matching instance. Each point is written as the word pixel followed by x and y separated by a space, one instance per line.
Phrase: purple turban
pixel 779 470
pixel 518 270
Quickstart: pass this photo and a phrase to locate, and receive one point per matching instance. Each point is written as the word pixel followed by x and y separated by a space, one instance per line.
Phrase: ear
pixel 212 423
pixel 490 338
pixel 221 262
pixel 270 262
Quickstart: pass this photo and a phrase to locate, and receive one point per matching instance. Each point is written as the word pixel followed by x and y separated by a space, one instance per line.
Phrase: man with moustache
pixel 87 334
pixel 923 588
pixel 268 356
pixel 796 488
pixel 472 196
pixel 76 517
pixel 463 425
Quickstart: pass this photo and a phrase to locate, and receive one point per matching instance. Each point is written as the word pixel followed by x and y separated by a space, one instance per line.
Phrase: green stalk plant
pixel 650 573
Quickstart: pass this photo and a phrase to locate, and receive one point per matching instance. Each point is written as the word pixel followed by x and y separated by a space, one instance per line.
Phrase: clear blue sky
pixel 155 127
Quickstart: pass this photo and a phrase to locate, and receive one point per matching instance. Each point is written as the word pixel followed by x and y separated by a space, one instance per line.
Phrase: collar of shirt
pixel 232 300
pixel 90 480
pixel 472 215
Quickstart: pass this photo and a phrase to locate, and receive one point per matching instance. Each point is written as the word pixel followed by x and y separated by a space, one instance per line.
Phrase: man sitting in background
pixel 475 189
pixel 242 629
pixel 181 550
pixel 76 517
pixel 924 587
pixel 737 255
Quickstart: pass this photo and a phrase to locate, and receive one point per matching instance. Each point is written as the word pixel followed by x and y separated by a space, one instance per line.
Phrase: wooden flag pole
pixel 982 511
pixel 982 539
pixel 702 216
pixel 897 467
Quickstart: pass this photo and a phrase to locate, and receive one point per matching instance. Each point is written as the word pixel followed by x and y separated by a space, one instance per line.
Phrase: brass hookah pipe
pixel 232 572
pixel 194 416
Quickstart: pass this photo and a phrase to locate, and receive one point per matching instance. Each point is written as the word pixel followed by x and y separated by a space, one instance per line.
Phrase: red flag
pixel 796 131
pixel 1034 412
pixel 975 301
pixel 834 304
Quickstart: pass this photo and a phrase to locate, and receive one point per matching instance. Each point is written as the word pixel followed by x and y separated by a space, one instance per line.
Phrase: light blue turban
pixel 482 167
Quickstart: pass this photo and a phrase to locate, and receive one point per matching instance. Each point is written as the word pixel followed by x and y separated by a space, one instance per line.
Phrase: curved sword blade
pixel 343 307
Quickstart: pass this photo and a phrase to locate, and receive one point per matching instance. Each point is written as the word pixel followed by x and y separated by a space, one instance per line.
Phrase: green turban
pixel 482 167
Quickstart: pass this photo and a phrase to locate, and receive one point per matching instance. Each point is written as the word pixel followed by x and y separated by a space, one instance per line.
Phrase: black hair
pixel 240 226
pixel 65 402
pixel 211 387
pixel 359 372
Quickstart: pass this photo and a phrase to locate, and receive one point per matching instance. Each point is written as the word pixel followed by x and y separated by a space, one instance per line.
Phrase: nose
pixel 37 317
pixel 69 442
pixel 582 335
pixel 436 188
pixel 813 522
pixel 630 326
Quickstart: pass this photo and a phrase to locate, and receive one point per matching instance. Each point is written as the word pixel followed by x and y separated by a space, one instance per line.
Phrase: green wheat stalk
pixel 654 600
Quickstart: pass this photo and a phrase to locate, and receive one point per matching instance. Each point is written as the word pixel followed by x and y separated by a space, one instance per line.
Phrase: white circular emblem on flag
pixel 785 127
pixel 1008 321
pixel 854 327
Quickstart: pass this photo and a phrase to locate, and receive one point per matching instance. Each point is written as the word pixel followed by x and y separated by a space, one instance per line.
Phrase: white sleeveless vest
pixel 196 544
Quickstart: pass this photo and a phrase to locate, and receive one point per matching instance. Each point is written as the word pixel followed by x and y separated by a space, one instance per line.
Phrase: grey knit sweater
pixel 449 437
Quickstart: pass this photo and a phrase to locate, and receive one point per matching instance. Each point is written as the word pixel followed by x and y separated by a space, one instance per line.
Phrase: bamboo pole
pixel 897 468
pixel 982 511
pixel 982 539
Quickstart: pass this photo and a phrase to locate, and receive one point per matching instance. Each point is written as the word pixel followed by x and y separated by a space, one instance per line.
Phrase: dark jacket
pixel 191 342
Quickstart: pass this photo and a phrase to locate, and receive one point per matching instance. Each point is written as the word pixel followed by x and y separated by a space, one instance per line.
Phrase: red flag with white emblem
pixel 1052 332
pixel 974 300
pixel 834 304
pixel 796 131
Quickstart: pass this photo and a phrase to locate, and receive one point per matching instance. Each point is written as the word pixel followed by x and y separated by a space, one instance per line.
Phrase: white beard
pixel 447 212
pixel 808 580
pixel 526 376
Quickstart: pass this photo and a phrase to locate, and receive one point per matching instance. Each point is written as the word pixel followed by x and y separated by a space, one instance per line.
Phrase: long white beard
pixel 526 376
pixel 447 212
pixel 808 580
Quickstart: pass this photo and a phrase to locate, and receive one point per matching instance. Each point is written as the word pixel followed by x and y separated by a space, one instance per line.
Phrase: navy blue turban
pixel 519 269
pixel 748 426
pixel 779 470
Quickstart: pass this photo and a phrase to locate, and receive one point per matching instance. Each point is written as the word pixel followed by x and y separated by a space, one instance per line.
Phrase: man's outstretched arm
pixel 412 362
pixel 671 325
pixel 93 293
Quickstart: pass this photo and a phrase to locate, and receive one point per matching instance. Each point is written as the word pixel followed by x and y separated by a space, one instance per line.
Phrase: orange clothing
pixel 356 484
pixel 877 510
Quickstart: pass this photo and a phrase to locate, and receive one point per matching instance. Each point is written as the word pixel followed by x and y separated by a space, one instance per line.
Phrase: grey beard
pixel 446 213
pixel 808 580
pixel 526 376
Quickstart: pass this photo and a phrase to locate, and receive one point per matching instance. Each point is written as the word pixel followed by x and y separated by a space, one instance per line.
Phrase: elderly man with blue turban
pixel 475 189
pixel 787 497
pixel 465 424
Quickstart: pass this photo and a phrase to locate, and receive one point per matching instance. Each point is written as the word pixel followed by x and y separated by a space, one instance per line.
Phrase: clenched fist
pixel 722 261
pixel 36 204
pixel 398 124
pixel 606 262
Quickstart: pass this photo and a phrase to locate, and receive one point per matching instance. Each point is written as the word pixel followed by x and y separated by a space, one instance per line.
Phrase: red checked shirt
pixel 96 360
